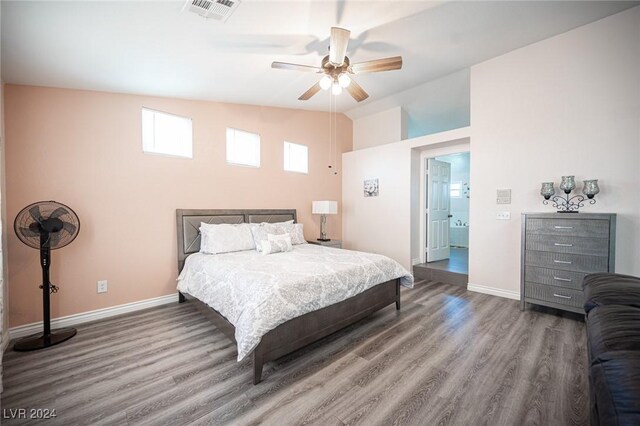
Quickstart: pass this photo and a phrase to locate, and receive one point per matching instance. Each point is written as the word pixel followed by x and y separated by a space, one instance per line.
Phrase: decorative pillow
pixel 276 244
pixel 279 237
pixel 297 234
pixel 260 231
pixel 225 238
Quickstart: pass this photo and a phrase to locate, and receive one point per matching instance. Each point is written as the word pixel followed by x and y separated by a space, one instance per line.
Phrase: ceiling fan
pixel 336 68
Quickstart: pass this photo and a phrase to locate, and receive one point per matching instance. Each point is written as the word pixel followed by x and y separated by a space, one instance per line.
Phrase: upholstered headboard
pixel 188 222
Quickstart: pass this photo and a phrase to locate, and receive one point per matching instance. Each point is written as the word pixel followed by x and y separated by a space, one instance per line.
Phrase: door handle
pixel 449 215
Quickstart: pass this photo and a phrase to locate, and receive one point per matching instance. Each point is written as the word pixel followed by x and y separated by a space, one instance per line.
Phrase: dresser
pixel 558 251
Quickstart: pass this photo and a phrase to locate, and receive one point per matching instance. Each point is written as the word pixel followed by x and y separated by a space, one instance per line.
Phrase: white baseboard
pixel 70 320
pixel 509 294
pixel 415 261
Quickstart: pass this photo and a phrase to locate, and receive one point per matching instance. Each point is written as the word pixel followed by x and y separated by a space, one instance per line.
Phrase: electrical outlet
pixel 102 286
pixel 503 216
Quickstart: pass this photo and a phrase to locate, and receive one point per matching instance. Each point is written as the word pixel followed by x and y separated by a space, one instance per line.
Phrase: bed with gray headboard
pixel 297 332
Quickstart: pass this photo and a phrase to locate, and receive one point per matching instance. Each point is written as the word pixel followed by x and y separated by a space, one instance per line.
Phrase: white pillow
pixel 261 231
pixel 297 234
pixel 276 244
pixel 225 238
pixel 279 237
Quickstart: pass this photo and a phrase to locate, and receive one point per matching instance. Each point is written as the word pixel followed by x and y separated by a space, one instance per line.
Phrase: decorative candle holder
pixel 568 184
pixel 565 203
pixel 590 188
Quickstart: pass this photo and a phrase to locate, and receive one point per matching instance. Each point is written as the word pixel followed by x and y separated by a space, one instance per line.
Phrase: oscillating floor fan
pixel 46 226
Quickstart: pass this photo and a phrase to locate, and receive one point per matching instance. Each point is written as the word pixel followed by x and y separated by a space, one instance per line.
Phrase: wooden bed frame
pixel 297 332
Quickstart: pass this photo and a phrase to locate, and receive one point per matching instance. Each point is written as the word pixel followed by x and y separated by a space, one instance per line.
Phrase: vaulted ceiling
pixel 156 48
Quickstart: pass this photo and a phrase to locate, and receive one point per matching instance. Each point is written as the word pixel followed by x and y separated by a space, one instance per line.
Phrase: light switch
pixel 503 196
pixel 504 216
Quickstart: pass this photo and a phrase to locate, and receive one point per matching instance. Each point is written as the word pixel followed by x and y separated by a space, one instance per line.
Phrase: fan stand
pixel 47 337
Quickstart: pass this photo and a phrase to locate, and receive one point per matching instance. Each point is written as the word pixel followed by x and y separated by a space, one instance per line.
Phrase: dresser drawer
pixel 563 244
pixel 547 293
pixel 567 262
pixel 569 227
pixel 554 277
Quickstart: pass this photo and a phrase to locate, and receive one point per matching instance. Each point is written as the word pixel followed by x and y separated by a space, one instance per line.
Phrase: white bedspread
pixel 256 293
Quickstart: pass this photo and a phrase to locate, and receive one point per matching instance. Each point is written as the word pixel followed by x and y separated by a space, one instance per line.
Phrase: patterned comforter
pixel 256 293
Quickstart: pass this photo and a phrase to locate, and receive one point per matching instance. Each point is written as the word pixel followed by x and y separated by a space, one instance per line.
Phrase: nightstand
pixel 331 243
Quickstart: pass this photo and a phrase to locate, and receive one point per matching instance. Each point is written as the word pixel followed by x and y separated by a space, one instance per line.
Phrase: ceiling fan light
pixel 336 89
pixel 344 80
pixel 325 82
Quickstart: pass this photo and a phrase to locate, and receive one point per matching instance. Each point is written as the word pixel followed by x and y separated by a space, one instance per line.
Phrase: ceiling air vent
pixel 216 9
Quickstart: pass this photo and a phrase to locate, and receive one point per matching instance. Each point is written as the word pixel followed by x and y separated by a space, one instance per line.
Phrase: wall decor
pixel 371 188
pixel 565 203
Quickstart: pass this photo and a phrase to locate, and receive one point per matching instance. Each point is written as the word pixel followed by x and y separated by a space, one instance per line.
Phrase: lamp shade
pixel 324 207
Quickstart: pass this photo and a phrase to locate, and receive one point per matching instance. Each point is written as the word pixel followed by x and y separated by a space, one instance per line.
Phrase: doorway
pixel 445 186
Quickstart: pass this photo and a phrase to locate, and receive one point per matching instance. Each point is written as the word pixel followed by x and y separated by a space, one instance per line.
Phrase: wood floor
pixel 449 357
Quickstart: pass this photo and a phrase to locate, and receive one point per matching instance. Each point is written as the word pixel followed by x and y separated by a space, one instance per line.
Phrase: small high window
pixel 296 158
pixel 243 148
pixel 456 189
pixel 166 134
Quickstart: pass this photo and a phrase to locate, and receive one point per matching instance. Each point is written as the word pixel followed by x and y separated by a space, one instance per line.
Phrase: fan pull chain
pixel 335 140
pixel 52 288
pixel 330 129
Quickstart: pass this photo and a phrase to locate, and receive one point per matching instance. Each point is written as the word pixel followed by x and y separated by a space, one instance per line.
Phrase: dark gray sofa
pixel 612 306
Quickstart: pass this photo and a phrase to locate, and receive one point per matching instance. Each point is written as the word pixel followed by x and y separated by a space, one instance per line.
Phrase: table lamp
pixel 323 208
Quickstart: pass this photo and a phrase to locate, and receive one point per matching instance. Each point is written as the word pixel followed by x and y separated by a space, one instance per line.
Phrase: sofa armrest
pixel 604 289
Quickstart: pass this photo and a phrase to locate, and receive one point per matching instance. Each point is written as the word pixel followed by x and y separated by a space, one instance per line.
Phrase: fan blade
pixel 69 227
pixel 338 45
pixel 386 64
pixel 356 91
pixel 309 93
pixel 29 233
pixel 58 212
pixel 54 239
pixel 294 67
pixel 35 213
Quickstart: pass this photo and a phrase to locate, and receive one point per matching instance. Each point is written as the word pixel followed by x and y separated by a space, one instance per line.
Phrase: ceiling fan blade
pixel 58 212
pixel 29 233
pixel 377 65
pixel 294 67
pixel 356 91
pixel 35 213
pixel 69 227
pixel 309 93
pixel 338 45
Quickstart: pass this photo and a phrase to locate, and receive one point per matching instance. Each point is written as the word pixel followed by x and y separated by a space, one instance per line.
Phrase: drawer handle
pixel 563 227
pixel 563 279
pixel 562 245
pixel 565 262
pixel 562 296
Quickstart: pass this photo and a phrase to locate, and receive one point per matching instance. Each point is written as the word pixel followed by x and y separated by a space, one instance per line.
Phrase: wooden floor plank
pixel 448 357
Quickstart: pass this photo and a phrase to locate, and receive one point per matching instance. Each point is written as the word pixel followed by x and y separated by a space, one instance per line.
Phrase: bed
pixel 223 287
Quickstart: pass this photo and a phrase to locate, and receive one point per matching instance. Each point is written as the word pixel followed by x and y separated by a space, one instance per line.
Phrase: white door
pixel 438 209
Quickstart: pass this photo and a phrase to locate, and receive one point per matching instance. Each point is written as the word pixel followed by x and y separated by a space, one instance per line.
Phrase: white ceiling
pixel 150 47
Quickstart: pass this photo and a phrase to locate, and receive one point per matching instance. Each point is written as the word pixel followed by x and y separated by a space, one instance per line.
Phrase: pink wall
pixel 84 149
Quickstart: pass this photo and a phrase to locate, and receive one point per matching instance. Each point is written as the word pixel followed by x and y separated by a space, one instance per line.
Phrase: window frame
pixel 459 189
pixel 259 151
pixel 152 150
pixel 288 154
